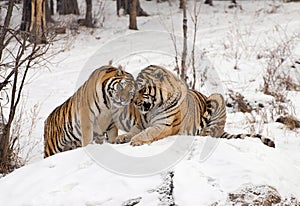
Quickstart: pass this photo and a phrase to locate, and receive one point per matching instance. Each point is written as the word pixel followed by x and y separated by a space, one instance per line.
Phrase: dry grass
pixel 21 143
pixel 278 62
pixel 29 144
pixel 289 121
pixel 239 101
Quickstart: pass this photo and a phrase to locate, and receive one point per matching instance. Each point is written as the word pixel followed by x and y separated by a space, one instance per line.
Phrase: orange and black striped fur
pixel 167 107
pixel 87 115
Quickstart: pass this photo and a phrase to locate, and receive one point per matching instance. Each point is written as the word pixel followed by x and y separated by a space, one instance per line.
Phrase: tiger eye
pixel 141 91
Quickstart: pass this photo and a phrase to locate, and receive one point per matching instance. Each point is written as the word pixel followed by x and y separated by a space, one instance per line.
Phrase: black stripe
pixel 109 69
pixel 110 126
pixel 74 137
pixel 166 117
pixel 78 130
pixel 104 93
pixel 92 111
pixel 56 146
pixel 96 103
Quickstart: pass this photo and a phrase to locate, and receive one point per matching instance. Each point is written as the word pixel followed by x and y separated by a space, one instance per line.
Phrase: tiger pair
pixel 161 106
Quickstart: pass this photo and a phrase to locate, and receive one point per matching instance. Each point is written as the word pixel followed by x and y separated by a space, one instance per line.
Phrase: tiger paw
pixel 136 142
pixel 124 138
pixel 98 140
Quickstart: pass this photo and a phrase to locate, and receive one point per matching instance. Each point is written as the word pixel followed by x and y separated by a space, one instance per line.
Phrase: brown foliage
pixel 239 99
pixel 289 121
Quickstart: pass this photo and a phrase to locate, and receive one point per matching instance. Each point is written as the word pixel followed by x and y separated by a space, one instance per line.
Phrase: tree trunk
pixel 5 28
pixel 184 49
pixel 88 14
pixel 4 150
pixel 67 7
pixel 119 6
pixel 139 10
pixel 180 4
pixel 34 20
pixel 51 7
pixel 132 16
pixel 126 6
pixel 49 12
pixel 210 2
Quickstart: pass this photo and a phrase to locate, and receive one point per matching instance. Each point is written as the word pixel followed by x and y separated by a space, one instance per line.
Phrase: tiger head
pixel 121 89
pixel 157 87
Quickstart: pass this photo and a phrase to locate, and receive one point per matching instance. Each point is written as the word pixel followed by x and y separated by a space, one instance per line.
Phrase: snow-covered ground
pixel 204 169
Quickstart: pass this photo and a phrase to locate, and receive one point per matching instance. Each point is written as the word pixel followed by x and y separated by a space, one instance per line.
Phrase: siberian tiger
pixel 167 107
pixel 88 113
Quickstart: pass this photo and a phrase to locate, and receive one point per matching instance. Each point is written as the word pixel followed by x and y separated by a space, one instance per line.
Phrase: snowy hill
pixel 74 178
pixel 181 169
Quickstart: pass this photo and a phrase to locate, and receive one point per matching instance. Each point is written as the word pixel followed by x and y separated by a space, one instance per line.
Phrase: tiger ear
pixel 159 74
pixel 120 72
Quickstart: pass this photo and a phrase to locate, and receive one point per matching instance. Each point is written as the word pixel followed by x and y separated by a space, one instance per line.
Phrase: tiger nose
pixel 134 100
pixel 122 99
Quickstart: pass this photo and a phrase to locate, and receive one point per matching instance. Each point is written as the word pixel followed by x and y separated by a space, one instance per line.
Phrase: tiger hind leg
pixel 72 145
pixel 52 146
pixel 214 118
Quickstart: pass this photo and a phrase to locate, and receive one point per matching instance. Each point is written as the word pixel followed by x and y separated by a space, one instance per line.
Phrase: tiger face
pixel 146 96
pixel 155 87
pixel 143 100
pixel 122 90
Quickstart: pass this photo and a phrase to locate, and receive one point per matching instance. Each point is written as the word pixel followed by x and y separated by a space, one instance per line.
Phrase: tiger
pixel 167 107
pixel 87 114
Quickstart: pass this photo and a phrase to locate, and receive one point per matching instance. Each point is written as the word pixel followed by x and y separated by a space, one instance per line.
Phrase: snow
pixel 205 169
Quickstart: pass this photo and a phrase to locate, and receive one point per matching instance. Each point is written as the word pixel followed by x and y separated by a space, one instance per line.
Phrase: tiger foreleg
pixel 150 134
pixel 86 129
pixel 112 134
pixel 124 138
pixel 72 145
pixel 87 135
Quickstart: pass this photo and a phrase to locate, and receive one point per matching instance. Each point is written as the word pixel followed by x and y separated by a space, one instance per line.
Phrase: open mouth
pixel 146 106
pixel 143 107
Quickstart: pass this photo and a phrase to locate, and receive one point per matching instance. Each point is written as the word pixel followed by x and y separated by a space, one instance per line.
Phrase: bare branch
pixel 6 25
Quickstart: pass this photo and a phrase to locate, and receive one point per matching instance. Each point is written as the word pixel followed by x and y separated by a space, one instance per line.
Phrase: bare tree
pixel 67 7
pixel 34 20
pixel 181 4
pixel 194 19
pixel 20 55
pixel 126 6
pixel 51 9
pixel 132 16
pixel 88 14
pixel 5 28
pixel 210 2
pixel 191 62
pixel 183 74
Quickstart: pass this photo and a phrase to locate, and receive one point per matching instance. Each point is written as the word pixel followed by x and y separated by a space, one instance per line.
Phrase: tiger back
pixel 87 115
